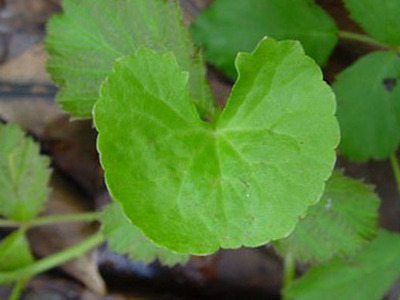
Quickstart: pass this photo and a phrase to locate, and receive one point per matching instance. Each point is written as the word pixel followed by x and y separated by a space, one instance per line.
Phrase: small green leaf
pixel 24 175
pixel 125 238
pixel 340 223
pixel 15 252
pixel 194 186
pixel 379 18
pixel 368 95
pixel 230 26
pixel 365 277
pixel 85 40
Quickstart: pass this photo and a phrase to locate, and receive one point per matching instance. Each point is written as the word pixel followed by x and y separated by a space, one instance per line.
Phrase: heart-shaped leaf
pixel 230 26
pixel 243 179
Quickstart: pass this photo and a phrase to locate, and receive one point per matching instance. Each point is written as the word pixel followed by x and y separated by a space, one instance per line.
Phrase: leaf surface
pixel 194 186
pixel 365 277
pixel 368 95
pixel 228 27
pixel 340 223
pixel 24 175
pixel 125 238
pixel 379 18
pixel 85 40
pixel 15 252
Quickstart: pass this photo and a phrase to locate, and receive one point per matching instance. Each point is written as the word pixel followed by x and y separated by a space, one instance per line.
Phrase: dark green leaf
pixel 368 95
pixel 230 26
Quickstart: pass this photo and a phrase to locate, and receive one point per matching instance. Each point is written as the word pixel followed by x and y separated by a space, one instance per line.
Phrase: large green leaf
pixel 125 238
pixel 368 96
pixel 379 18
pixel 340 223
pixel 24 175
pixel 244 179
pixel 365 277
pixel 230 26
pixel 15 252
pixel 86 39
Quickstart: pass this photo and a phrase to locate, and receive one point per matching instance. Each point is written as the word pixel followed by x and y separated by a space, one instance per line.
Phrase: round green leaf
pixel 230 26
pixel 379 18
pixel 244 179
pixel 125 238
pixel 84 41
pixel 339 224
pixel 368 95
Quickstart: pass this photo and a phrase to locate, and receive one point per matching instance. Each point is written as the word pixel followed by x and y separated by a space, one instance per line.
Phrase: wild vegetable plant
pixel 189 177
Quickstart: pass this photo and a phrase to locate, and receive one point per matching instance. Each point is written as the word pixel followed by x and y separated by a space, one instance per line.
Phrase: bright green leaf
pixel 230 26
pixel 125 238
pixel 368 96
pixel 86 39
pixel 340 223
pixel 379 18
pixel 244 179
pixel 15 252
pixel 24 175
pixel 365 277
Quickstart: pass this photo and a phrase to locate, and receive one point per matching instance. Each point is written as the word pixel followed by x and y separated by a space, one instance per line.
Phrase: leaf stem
pixel 396 169
pixel 52 260
pixel 17 289
pixel 54 219
pixel 289 272
pixel 352 36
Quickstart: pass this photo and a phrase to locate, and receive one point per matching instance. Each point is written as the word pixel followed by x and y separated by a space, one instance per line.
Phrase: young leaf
pixel 85 40
pixel 125 238
pixel 379 18
pixel 244 179
pixel 228 27
pixel 15 252
pixel 368 95
pixel 367 276
pixel 24 175
pixel 340 223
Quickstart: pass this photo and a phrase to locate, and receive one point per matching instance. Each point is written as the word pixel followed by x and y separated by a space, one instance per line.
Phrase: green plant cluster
pixel 188 177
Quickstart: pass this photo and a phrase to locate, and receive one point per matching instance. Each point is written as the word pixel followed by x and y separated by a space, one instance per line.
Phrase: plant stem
pixel 52 260
pixel 289 272
pixel 396 169
pixel 17 289
pixel 49 220
pixel 365 39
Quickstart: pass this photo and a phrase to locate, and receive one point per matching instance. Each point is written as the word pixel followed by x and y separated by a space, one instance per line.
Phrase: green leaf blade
pixel 192 186
pixel 340 224
pixel 228 27
pixel 89 36
pixel 379 18
pixel 15 252
pixel 125 238
pixel 368 96
pixel 367 276
pixel 24 175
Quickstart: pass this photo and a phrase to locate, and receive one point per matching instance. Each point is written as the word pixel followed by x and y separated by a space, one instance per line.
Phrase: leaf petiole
pixel 352 36
pixel 54 219
pixel 289 272
pixel 52 260
pixel 396 169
